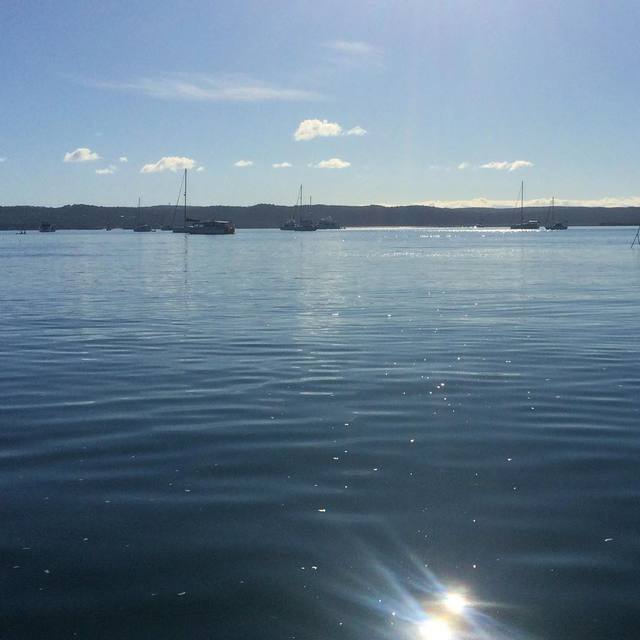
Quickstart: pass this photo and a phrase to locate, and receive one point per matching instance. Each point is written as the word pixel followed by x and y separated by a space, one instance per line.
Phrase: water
pixel 311 436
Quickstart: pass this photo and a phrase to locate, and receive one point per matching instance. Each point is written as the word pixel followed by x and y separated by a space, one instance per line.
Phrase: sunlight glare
pixel 435 629
pixel 455 602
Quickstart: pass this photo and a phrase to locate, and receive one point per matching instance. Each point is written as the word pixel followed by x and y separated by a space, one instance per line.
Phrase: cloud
pixel 206 88
pixel 107 171
pixel 243 163
pixel 169 163
pixel 81 155
pixel 281 165
pixel 353 51
pixel 314 128
pixel 200 169
pixel 123 159
pixel 607 202
pixel 463 165
pixel 332 163
pixel 508 166
pixel 357 131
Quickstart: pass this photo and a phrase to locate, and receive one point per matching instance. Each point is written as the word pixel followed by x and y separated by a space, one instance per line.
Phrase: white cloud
pixel 243 163
pixel 610 201
pixel 123 159
pixel 463 165
pixel 353 52
pixel 200 169
pixel 106 171
pixel 80 155
pixel 281 165
pixel 314 128
pixel 169 163
pixel 209 88
pixel 508 166
pixel 332 163
pixel 357 131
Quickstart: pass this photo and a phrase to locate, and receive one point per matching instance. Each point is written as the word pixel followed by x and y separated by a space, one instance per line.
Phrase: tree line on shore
pixel 264 216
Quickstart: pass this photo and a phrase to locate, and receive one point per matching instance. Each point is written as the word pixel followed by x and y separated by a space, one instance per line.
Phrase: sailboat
pixel 140 226
pixel 301 224
pixel 550 225
pixel 204 227
pixel 530 224
pixel 183 227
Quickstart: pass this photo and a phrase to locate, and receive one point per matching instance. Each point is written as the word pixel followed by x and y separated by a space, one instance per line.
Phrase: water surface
pixel 309 436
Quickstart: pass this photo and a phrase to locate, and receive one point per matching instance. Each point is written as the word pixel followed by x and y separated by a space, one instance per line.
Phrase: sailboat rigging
pixel 550 224
pixel 139 225
pixel 530 224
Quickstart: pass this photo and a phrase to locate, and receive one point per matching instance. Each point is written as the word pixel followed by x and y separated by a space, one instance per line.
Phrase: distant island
pixel 269 216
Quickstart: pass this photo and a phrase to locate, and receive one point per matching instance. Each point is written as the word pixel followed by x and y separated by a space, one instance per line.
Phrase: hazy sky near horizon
pixel 362 101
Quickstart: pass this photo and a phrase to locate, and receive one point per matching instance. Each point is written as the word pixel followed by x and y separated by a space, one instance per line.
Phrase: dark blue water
pixel 318 436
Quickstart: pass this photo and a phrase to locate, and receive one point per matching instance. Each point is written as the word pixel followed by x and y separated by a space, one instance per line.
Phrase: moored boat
pixel 297 222
pixel 328 223
pixel 550 225
pixel 212 228
pixel 46 227
pixel 529 224
pixel 140 226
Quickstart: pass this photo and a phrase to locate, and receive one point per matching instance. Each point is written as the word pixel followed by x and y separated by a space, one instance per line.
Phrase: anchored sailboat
pixel 297 222
pixel 141 226
pixel 550 225
pixel 530 224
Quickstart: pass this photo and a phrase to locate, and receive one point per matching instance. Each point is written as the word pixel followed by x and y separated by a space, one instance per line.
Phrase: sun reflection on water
pixel 408 602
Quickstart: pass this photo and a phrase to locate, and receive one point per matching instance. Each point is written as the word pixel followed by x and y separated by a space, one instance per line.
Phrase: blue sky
pixel 394 102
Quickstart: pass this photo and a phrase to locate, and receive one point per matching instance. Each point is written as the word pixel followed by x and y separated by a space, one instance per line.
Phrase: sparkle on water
pixel 350 435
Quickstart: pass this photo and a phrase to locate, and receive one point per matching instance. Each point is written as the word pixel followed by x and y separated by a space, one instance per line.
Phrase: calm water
pixel 311 436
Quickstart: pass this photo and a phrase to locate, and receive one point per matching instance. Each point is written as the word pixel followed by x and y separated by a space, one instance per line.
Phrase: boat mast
pixel 522 202
pixel 185 197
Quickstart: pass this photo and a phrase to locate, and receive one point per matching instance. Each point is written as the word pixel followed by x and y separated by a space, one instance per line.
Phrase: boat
pixel 529 224
pixel 140 226
pixel 184 226
pixel 212 228
pixel 550 225
pixel 196 227
pixel 328 223
pixel 46 227
pixel 301 224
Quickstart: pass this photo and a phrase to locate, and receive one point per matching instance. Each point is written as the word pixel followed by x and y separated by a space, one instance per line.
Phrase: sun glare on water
pixel 435 629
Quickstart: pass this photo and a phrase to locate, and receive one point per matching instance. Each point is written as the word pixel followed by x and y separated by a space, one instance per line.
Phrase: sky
pixel 447 102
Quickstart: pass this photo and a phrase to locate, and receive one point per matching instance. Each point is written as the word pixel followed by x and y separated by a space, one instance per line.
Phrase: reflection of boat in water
pixel 529 224
pixel 328 223
pixel 550 225
pixel 46 227
pixel 139 225
pixel 297 222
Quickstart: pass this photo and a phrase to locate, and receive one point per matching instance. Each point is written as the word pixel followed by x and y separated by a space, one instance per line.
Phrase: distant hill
pixel 83 216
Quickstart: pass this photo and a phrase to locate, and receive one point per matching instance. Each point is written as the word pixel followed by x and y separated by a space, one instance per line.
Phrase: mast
pixel 185 197
pixel 522 202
